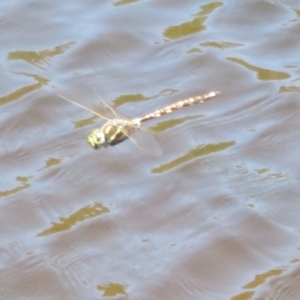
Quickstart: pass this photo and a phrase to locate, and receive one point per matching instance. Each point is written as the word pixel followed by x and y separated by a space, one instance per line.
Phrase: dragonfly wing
pixel 141 137
pixel 146 141
pixel 103 109
pixel 110 111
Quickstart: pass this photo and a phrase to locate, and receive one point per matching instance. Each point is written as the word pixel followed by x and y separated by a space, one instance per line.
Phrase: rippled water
pixel 216 216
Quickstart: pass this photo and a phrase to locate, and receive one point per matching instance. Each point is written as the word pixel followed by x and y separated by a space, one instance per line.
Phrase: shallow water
pixel 216 216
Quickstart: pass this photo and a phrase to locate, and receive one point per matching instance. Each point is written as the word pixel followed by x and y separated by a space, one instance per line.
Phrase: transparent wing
pixel 145 140
pixel 109 111
pixel 103 110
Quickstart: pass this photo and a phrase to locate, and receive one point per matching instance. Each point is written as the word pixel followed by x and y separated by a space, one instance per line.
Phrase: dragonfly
pixel 119 128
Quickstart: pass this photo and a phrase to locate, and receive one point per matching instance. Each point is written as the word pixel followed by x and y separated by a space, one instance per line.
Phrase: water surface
pixel 216 216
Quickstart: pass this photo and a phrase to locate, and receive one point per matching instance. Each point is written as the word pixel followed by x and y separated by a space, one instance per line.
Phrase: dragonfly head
pixel 97 139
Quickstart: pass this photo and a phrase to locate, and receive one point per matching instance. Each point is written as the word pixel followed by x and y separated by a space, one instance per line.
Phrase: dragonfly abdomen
pixel 183 103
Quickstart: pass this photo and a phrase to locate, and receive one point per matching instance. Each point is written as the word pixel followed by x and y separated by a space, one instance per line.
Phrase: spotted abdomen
pixel 170 108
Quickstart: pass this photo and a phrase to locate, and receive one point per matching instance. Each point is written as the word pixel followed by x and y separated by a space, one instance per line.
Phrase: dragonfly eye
pixel 96 139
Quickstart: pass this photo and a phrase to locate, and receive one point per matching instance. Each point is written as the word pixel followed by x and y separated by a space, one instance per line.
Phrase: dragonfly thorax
pixel 112 132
